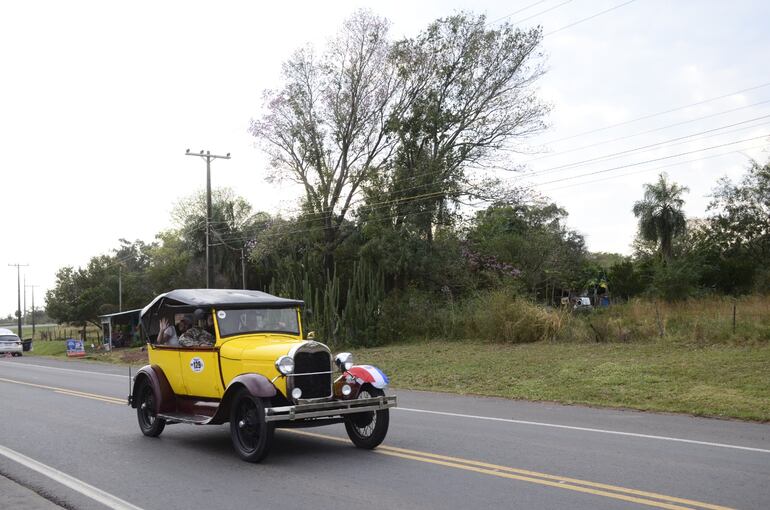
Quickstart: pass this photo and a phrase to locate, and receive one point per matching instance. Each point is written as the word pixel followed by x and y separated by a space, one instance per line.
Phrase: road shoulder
pixel 21 498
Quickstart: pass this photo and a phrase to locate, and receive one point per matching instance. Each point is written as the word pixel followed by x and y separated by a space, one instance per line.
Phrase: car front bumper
pixel 328 409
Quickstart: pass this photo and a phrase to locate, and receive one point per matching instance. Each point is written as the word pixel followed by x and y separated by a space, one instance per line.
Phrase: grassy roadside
pixel 724 381
pixel 720 380
pixel 58 348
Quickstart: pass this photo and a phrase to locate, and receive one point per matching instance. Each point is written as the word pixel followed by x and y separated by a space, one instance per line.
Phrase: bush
pixel 500 317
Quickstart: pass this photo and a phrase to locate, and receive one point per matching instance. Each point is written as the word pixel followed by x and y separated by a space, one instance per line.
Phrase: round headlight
pixel 285 365
pixel 296 393
pixel 344 361
pixel 346 389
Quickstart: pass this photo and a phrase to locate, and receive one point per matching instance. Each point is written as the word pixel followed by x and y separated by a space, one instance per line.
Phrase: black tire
pixel 368 430
pixel 251 435
pixel 146 411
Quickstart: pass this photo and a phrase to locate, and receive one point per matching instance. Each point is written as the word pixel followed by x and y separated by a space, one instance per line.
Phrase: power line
pixel 519 22
pixel 642 148
pixel 649 116
pixel 438 194
pixel 516 12
pixel 629 165
pixel 587 18
pixel 532 186
pixel 678 163
pixel 661 128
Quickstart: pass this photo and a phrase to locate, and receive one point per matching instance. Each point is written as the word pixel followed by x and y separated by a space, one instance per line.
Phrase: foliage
pixel 660 214
pixel 533 238
pixel 384 137
pixel 233 226
pixel 326 127
pixel 738 236
pixel 468 93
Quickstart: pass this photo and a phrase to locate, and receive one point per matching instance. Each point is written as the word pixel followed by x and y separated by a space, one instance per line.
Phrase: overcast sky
pixel 99 100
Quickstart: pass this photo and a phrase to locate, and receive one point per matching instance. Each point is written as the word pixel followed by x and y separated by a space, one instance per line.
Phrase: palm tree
pixel 660 213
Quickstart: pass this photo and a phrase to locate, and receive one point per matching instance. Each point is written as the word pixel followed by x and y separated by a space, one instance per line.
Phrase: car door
pixel 167 358
pixel 200 371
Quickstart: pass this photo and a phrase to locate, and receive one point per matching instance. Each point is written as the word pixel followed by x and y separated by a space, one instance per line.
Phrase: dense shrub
pixel 499 317
pixel 503 317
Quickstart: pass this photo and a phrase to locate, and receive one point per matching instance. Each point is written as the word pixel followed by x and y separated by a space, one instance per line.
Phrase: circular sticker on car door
pixel 196 364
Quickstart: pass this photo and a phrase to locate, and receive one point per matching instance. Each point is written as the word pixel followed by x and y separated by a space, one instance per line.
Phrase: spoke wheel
pixel 146 412
pixel 252 437
pixel 368 430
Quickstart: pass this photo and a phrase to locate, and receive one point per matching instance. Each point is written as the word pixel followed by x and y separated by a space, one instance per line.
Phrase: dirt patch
pixel 134 356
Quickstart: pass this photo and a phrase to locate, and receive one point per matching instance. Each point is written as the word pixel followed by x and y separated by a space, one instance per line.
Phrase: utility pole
pixel 18 292
pixel 24 310
pixel 33 308
pixel 243 268
pixel 209 261
pixel 120 288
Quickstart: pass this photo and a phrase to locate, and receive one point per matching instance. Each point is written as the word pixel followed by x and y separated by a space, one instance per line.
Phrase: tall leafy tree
pixel 468 93
pixel 326 127
pixel 660 214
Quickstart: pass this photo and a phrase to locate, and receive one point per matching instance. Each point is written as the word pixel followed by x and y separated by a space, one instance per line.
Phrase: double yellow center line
pixel 561 482
pixel 646 498
pixel 72 393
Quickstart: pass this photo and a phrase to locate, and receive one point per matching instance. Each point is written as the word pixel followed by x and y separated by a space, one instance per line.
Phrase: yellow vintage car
pixel 242 356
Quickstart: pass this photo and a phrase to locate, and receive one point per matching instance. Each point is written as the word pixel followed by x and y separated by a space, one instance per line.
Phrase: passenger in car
pixel 196 336
pixel 167 334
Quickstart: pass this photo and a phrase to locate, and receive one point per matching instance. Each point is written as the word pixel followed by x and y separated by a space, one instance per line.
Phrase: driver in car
pixel 197 336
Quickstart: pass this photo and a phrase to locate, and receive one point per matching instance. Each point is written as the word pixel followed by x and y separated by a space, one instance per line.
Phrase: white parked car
pixel 10 342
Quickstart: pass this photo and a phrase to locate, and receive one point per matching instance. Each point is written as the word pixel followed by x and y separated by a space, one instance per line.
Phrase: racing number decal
pixel 196 364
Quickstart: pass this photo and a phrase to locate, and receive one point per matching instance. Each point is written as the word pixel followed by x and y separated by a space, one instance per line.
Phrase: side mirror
pixel 311 335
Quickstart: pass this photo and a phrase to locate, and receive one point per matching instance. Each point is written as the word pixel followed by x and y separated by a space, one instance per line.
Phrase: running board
pixel 195 419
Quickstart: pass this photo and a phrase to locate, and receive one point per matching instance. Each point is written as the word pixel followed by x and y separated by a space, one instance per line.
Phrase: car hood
pixel 259 347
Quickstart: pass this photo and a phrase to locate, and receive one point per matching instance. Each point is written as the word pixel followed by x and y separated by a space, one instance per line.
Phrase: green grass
pixel 48 348
pixel 58 348
pixel 725 381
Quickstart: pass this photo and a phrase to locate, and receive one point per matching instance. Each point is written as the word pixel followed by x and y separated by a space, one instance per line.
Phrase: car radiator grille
pixel 314 385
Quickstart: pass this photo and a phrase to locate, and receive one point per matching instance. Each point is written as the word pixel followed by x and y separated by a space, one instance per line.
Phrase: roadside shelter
pixel 120 329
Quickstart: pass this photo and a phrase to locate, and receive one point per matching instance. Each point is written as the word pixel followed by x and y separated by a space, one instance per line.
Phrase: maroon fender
pixel 256 384
pixel 164 395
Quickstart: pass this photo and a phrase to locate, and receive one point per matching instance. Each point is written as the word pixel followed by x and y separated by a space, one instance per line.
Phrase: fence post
pixel 734 306
pixel 658 320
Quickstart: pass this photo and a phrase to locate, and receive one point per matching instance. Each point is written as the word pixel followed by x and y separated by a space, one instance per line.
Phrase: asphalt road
pixel 442 451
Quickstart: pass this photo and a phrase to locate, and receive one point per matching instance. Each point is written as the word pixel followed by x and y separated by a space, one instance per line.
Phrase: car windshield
pixel 266 320
pixel 9 338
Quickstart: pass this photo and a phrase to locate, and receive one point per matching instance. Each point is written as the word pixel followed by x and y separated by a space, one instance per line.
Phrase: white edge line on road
pixel 63 369
pixel 487 418
pixel 586 429
pixel 73 483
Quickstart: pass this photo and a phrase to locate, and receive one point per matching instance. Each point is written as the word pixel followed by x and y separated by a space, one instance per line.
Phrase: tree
pixel 742 219
pixel 467 94
pixel 532 238
pixel 624 279
pixel 326 128
pixel 81 295
pixel 660 214
pixel 233 226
